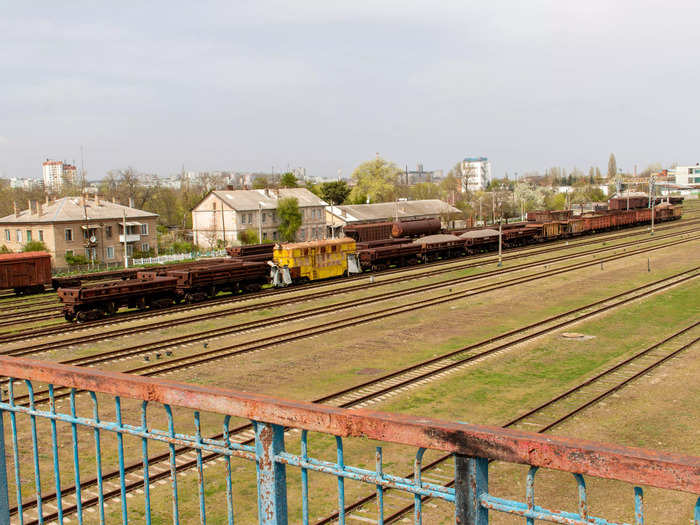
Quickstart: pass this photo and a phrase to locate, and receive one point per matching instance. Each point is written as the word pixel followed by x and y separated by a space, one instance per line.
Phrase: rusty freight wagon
pixel 204 282
pixel 442 246
pixel 87 303
pixel 381 257
pixel 251 252
pixel 375 231
pixel 25 273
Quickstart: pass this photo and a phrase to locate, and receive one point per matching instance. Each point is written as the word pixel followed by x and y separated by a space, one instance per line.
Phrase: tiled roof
pixel 70 209
pixel 241 200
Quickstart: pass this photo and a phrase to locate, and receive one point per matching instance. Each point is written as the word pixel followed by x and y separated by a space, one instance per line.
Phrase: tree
pixel 612 167
pixel 425 190
pixel 259 183
pixel 335 192
pixel 375 181
pixel 290 218
pixel 289 180
pixel 34 246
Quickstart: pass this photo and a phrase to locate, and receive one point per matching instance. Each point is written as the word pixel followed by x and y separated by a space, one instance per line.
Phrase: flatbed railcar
pixel 160 289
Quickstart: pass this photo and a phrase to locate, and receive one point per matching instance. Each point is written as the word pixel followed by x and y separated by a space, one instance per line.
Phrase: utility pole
pixel 126 257
pixel 652 199
pixel 260 221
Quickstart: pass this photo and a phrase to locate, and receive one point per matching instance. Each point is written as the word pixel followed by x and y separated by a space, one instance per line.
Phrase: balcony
pixel 130 237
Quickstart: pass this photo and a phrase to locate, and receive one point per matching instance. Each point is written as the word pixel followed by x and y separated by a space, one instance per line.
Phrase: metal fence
pixel 175 257
pixel 54 459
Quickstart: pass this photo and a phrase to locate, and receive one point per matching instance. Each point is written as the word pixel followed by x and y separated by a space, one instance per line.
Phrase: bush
pixel 34 246
pixel 74 260
pixel 181 247
pixel 5 249
pixel 249 236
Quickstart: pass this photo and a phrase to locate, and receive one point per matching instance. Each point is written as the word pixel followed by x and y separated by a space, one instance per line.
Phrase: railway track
pixel 542 418
pixel 54 313
pixel 196 359
pixel 235 309
pixel 377 389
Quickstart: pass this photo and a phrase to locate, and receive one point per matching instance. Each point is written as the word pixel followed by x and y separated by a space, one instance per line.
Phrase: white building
pixel 225 214
pixel 686 175
pixel 56 173
pixel 476 173
pixel 25 184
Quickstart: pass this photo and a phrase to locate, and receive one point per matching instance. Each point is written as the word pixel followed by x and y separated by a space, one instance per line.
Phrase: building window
pixel 264 217
pixel 144 229
pixel 242 218
pixel 41 235
pixel 213 205
pixel 69 234
pixel 110 252
pixel 145 247
pixel 264 235
pixel 29 235
pixel 8 236
pixel 130 250
pixel 19 235
pixel 108 232
pixel 274 236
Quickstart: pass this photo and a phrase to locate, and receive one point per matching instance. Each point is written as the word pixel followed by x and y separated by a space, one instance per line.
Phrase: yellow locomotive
pixel 313 260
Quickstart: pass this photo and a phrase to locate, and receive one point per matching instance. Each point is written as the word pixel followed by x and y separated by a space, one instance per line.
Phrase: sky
pixel 252 86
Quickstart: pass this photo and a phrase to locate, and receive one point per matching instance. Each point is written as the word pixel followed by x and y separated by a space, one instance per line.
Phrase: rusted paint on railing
pixel 634 465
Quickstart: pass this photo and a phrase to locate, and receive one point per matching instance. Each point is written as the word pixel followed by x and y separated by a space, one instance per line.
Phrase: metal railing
pixel 49 442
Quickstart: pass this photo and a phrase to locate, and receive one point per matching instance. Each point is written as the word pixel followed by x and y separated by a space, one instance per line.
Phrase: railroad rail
pixel 562 407
pixel 126 316
pixel 103 334
pixel 237 349
pixel 371 391
pixel 473 447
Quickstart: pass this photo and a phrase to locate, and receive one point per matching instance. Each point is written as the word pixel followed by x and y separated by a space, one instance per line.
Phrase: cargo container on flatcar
pixel 25 273
pixel 313 260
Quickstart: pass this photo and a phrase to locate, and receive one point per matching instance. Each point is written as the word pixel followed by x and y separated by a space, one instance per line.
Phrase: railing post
pixel 272 476
pixel 4 498
pixel 471 480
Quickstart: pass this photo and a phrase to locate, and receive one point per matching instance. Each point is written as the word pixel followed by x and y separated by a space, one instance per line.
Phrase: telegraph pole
pixel 652 199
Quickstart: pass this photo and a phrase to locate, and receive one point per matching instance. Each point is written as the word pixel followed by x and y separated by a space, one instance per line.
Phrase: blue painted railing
pixel 48 454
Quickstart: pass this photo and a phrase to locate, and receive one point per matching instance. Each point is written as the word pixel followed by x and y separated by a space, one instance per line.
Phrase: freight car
pixel 374 231
pixel 87 303
pixel 25 273
pixel 251 252
pixel 382 257
pixel 159 289
pixel 416 228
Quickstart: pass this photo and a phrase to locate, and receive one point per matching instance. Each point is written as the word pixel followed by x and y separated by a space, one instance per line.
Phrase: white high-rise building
pixel 57 173
pixel 476 173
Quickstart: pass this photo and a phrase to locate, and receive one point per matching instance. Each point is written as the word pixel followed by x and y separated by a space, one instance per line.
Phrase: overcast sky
pixel 246 85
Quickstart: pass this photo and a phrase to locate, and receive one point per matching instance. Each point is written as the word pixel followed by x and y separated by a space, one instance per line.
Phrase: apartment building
pixel 97 229
pixel 224 214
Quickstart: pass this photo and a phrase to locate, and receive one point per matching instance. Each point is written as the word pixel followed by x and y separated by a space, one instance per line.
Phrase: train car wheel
pixel 69 316
pixel 141 303
pixel 110 307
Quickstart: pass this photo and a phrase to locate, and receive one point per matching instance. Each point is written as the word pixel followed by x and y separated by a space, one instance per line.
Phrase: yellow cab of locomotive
pixel 312 260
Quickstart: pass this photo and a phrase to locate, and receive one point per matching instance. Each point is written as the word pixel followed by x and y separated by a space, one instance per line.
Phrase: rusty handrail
pixel 660 469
